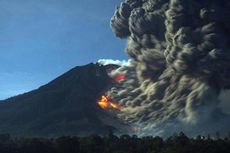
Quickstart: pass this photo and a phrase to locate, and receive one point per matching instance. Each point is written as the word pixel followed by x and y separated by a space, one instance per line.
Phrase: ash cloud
pixel 180 64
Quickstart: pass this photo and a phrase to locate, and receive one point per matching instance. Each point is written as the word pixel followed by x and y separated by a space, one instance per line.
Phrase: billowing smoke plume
pixel 180 52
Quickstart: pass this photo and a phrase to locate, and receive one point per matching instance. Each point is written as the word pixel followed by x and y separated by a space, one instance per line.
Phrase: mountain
pixel 65 106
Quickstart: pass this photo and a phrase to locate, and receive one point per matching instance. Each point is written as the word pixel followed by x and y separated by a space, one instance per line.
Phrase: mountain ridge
pixel 64 106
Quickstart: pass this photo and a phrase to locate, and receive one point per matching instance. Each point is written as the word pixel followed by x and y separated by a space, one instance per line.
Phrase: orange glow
pixel 119 77
pixel 104 103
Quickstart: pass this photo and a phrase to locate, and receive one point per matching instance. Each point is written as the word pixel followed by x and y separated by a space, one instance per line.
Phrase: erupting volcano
pixel 179 62
pixel 106 104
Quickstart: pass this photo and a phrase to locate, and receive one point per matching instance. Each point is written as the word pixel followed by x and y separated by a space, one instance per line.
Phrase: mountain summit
pixel 65 106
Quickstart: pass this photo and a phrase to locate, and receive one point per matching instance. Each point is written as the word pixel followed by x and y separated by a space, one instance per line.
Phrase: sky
pixel 42 39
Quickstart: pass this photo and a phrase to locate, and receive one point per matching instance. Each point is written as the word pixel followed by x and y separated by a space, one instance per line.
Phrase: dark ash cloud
pixel 180 64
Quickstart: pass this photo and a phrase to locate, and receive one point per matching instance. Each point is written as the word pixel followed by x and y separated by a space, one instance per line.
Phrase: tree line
pixel 178 143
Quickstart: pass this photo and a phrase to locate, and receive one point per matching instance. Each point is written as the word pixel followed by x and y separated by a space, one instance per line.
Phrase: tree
pixel 67 145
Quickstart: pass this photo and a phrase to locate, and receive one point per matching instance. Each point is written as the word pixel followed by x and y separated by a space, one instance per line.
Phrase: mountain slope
pixel 65 106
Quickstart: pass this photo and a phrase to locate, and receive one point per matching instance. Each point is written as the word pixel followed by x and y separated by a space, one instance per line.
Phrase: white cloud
pixel 111 61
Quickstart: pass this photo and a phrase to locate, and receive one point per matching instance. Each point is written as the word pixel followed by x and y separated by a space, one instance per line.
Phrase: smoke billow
pixel 180 52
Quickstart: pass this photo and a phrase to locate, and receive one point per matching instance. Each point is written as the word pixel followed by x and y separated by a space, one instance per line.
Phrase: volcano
pixel 64 106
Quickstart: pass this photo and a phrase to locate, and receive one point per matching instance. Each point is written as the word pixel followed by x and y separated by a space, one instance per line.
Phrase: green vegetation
pixel 179 143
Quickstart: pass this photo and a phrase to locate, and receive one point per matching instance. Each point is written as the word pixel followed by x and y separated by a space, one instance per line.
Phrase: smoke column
pixel 180 63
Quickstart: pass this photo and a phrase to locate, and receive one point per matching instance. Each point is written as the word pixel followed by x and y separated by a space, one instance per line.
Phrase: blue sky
pixel 42 39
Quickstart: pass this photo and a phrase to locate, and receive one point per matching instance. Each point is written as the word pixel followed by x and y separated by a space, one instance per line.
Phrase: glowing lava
pixel 119 77
pixel 104 103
